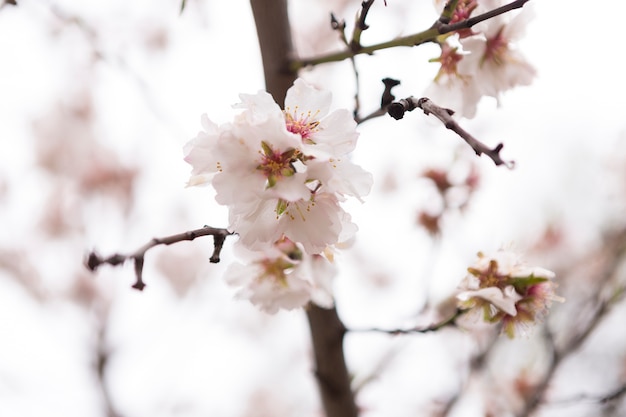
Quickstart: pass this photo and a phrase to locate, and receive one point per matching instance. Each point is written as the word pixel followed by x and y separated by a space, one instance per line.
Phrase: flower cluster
pixel 481 61
pixel 505 290
pixel 282 174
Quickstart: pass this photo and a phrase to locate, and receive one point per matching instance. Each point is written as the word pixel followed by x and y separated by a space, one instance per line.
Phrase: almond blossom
pixel 506 290
pixel 493 60
pixel 283 175
pixel 282 277
pixel 482 61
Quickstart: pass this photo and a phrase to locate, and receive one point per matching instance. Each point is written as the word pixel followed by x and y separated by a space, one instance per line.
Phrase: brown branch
pixel 449 322
pixel 398 108
pixel 274 32
pixel 327 331
pixel 609 273
pixel 360 25
pixel 613 395
pixel 386 99
pixel 94 261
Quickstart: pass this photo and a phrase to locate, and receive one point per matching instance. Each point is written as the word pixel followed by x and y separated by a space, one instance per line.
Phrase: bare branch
pixel 450 321
pixel 613 395
pixel 94 261
pixel 602 306
pixel 398 108
pixel 386 99
pixel 327 332
pixel 360 25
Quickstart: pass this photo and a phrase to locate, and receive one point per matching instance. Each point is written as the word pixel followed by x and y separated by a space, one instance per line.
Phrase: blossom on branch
pixel 493 60
pixel 481 61
pixel 283 175
pixel 282 277
pixel 503 289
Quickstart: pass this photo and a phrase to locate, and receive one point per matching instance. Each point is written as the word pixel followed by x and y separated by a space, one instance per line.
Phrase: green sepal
pixel 281 206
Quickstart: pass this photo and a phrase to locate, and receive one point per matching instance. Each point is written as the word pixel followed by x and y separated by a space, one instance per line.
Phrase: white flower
pixel 282 277
pixel 323 135
pixel 508 291
pixel 316 223
pixel 502 299
pixel 282 173
pixel 199 152
pixel 493 62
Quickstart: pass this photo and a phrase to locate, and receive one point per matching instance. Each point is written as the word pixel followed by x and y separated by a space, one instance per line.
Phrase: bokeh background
pixel 96 101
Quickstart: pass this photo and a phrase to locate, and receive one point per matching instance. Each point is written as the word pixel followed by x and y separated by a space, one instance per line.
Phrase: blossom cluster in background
pixel 481 61
pixel 283 175
pixel 504 290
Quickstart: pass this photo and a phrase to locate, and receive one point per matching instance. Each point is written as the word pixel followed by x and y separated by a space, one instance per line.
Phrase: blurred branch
pixel 448 11
pixel 611 396
pixel 94 261
pixel 440 27
pixel 102 360
pixel 601 304
pixel 450 321
pixel 333 378
pixel 398 108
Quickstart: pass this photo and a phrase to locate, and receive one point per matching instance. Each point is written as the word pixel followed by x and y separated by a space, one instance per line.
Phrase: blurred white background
pixel 96 101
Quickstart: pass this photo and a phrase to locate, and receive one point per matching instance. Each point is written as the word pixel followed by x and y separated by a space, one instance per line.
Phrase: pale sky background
pixel 143 74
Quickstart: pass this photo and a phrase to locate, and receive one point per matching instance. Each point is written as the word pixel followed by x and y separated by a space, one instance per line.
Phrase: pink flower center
pixel 448 59
pixel 275 164
pixel 497 48
pixel 303 124
pixel 463 11
pixel 489 277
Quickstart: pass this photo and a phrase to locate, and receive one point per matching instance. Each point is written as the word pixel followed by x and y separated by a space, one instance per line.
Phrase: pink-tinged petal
pixel 336 134
pixel 258 108
pixel 303 99
pixel 503 301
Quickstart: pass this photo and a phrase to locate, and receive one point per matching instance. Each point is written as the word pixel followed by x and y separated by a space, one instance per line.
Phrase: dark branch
pixel 386 99
pixel 450 321
pixel 613 395
pixel 327 332
pixel 360 25
pixel 610 273
pixel 94 261
pixel 398 108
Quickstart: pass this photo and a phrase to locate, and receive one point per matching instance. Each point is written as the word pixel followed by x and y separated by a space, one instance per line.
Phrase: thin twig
pixel 94 261
pixel 604 305
pixel 340 26
pixel 398 108
pixel 450 321
pixel 386 99
pixel 613 395
pixel 360 25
